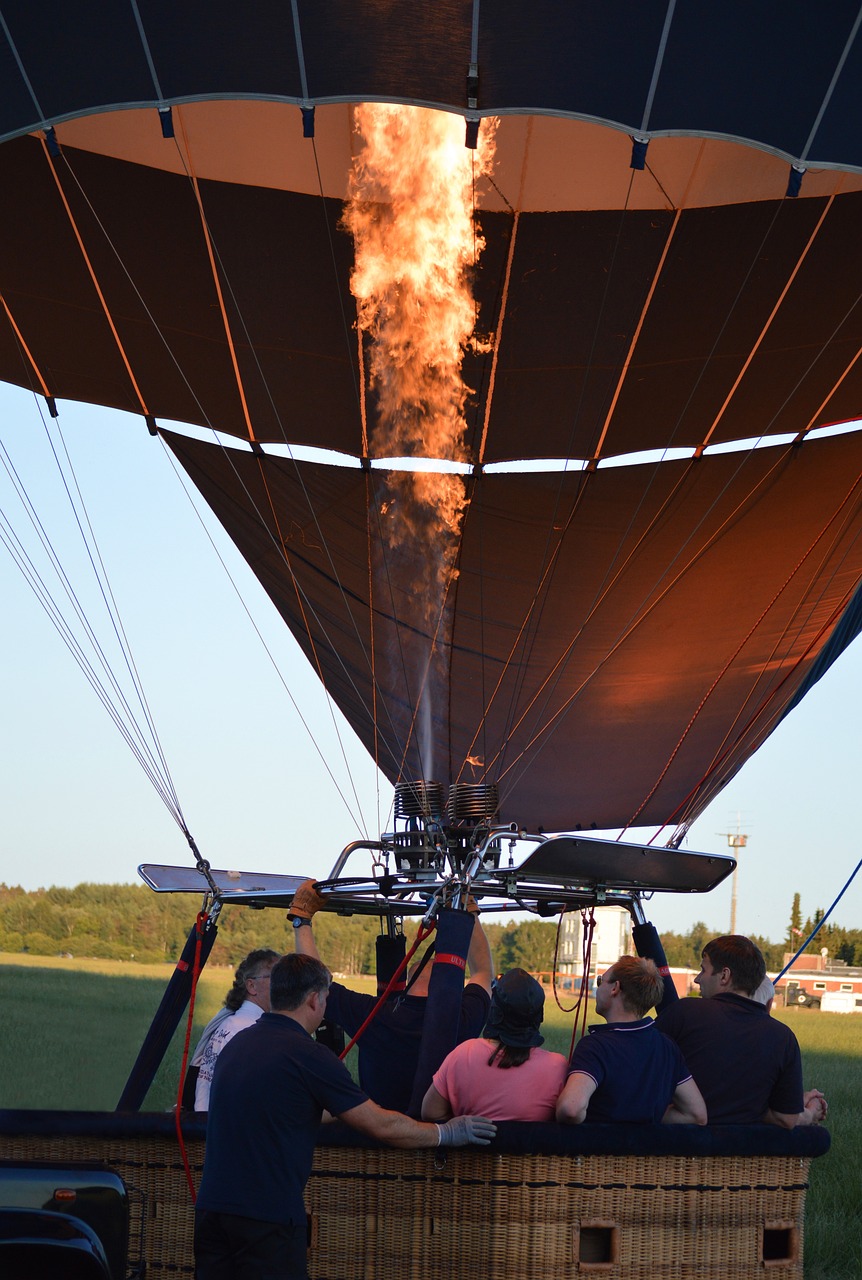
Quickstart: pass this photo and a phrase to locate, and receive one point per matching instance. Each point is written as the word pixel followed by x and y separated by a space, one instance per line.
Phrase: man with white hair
pixel 247 999
pixel 765 993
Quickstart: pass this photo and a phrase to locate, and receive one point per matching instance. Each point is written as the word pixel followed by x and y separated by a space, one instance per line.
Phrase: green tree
pixel 532 946
pixel 683 950
pixel 495 934
pixel 794 929
pixel 811 924
pixel 699 935
pixel 773 952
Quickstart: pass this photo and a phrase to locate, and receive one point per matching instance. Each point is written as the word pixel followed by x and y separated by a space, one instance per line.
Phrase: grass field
pixel 73 1028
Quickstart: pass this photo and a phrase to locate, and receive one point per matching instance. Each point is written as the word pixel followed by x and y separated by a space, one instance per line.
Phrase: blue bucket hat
pixel 517 1009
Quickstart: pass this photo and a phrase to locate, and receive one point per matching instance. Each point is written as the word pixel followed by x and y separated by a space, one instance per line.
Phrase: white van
pixel 840 1002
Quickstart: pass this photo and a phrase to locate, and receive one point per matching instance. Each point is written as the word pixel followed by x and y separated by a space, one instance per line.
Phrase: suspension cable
pixel 145 746
pixel 220 274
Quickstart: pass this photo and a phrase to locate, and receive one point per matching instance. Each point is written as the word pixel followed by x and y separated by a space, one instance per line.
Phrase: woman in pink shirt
pixel 504 1075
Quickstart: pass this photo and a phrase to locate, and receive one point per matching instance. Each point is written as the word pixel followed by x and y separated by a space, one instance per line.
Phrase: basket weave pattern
pixel 377 1214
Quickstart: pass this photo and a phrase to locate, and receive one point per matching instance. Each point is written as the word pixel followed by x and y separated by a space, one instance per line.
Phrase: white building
pixel 612 938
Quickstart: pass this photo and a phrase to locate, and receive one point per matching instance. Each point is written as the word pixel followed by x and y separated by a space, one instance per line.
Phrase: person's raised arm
pixel 573 1101
pixel 306 903
pixel 687 1105
pixel 400 1131
pixel 479 959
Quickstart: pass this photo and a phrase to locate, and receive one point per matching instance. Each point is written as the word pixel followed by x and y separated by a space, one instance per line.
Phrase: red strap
pixel 421 935
pixel 448 957
pixel 399 986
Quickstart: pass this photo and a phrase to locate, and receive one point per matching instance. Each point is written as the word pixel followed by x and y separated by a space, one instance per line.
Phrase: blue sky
pixel 77 806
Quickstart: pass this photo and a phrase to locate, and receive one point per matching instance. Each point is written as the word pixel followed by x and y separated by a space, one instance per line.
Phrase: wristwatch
pixel 299 921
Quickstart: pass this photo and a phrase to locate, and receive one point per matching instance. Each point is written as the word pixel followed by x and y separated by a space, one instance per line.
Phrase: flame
pixel 410 212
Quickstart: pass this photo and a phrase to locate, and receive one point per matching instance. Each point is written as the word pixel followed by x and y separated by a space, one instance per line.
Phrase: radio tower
pixel 736 840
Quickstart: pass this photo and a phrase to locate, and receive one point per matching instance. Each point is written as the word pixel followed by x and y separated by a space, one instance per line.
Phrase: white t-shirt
pixel 207 1034
pixel 247 1014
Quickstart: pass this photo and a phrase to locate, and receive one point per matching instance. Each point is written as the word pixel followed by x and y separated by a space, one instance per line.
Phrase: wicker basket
pixel 379 1214
pixel 391 1215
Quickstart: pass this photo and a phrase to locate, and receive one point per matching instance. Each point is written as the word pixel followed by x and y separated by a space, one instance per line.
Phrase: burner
pixel 419 800
pixel 473 802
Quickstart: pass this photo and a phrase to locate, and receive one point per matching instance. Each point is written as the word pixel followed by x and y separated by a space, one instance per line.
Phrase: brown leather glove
pixel 306 901
pixel 472 905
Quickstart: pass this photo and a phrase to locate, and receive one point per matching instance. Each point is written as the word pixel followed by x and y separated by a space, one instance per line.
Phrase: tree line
pixel 683 950
pixel 130 922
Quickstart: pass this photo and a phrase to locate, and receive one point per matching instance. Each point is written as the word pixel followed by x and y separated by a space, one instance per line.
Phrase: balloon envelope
pixel 618 639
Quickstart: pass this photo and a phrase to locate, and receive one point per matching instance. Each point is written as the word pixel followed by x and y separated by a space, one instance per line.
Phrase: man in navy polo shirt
pixel 271 1084
pixel 747 1064
pixel 627 1071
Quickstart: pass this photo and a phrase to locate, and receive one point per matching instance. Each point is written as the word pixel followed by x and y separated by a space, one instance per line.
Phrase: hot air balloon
pixel 174 248
pixel 655 551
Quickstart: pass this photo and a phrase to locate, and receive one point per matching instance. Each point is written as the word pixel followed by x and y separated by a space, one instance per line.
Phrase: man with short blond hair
pixel 641 985
pixel 627 1071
